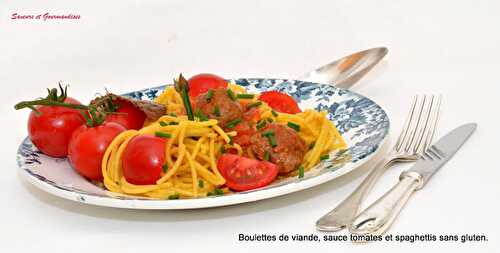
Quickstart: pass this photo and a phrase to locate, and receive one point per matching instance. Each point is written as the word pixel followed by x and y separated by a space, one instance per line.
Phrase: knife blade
pixel 378 217
pixel 439 153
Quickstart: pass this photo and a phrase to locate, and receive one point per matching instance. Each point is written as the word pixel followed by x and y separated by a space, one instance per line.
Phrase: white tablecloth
pixel 447 47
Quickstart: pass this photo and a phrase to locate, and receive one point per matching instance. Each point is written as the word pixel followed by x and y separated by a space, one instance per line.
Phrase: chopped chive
pixel 311 146
pixel 275 114
pixel 270 136
pixel 174 196
pixel 222 150
pixel 294 126
pixel 217 110
pixel 218 191
pixel 272 141
pixel 173 114
pixel 173 123
pixel 163 123
pixel 260 124
pixel 324 157
pixel 245 96
pixel 233 123
pixel 201 116
pixel 163 134
pixel 256 104
pixel 230 94
pixel 187 105
pixel 268 133
pixel 164 167
pixel 181 86
pixel 209 95
pixel 267 156
pixel 301 171
pixel 200 183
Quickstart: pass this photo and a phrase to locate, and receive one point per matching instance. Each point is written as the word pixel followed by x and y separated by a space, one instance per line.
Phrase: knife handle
pixel 378 217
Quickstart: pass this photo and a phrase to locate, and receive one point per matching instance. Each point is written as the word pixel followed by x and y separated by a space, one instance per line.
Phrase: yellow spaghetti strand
pixel 193 174
pixel 221 179
pixel 174 168
pixel 192 148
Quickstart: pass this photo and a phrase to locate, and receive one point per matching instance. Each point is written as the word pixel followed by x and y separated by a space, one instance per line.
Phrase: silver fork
pixel 415 137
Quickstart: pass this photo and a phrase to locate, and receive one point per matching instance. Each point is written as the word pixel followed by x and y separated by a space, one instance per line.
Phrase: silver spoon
pixel 345 72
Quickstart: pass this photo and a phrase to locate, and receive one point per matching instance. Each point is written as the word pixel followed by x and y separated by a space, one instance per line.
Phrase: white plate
pixel 363 124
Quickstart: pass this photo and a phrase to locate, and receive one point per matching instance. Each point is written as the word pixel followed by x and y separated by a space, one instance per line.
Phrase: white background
pixel 447 47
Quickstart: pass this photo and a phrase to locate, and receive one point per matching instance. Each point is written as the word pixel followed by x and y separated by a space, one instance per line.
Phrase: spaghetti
pixel 193 148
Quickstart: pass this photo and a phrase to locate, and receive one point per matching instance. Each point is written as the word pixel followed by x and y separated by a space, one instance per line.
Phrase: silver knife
pixel 378 217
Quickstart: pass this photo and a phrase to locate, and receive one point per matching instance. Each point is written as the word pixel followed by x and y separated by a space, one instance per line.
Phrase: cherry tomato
pixel 51 131
pixel 201 83
pixel 127 115
pixel 87 146
pixel 244 174
pixel 143 159
pixel 280 102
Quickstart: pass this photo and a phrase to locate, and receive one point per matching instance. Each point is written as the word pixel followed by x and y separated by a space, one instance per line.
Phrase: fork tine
pixel 415 126
pixel 435 119
pixel 409 119
pixel 419 144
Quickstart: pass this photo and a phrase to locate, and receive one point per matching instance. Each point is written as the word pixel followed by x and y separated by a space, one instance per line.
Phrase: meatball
pixel 288 152
pixel 219 106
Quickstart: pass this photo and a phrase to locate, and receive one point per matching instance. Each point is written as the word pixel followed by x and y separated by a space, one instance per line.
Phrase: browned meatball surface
pixel 289 151
pixel 228 109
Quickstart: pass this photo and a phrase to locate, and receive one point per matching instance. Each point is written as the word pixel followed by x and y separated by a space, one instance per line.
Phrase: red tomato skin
pixel 245 131
pixel 51 131
pixel 242 139
pixel 88 145
pixel 143 159
pixel 229 165
pixel 128 116
pixel 252 115
pixel 201 83
pixel 280 102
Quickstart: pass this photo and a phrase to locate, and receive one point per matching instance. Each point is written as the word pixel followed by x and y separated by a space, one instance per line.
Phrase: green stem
pixel 31 104
pixel 187 104
pixel 181 86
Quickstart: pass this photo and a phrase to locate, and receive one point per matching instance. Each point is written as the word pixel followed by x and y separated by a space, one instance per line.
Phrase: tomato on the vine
pixel 88 145
pixel 201 83
pixel 144 159
pixel 50 129
pixel 127 115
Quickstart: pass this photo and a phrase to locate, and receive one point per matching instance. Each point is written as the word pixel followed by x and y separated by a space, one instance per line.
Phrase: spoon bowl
pixel 345 72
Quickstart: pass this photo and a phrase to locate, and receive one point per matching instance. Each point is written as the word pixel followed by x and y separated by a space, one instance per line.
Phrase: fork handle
pixel 378 217
pixel 345 212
